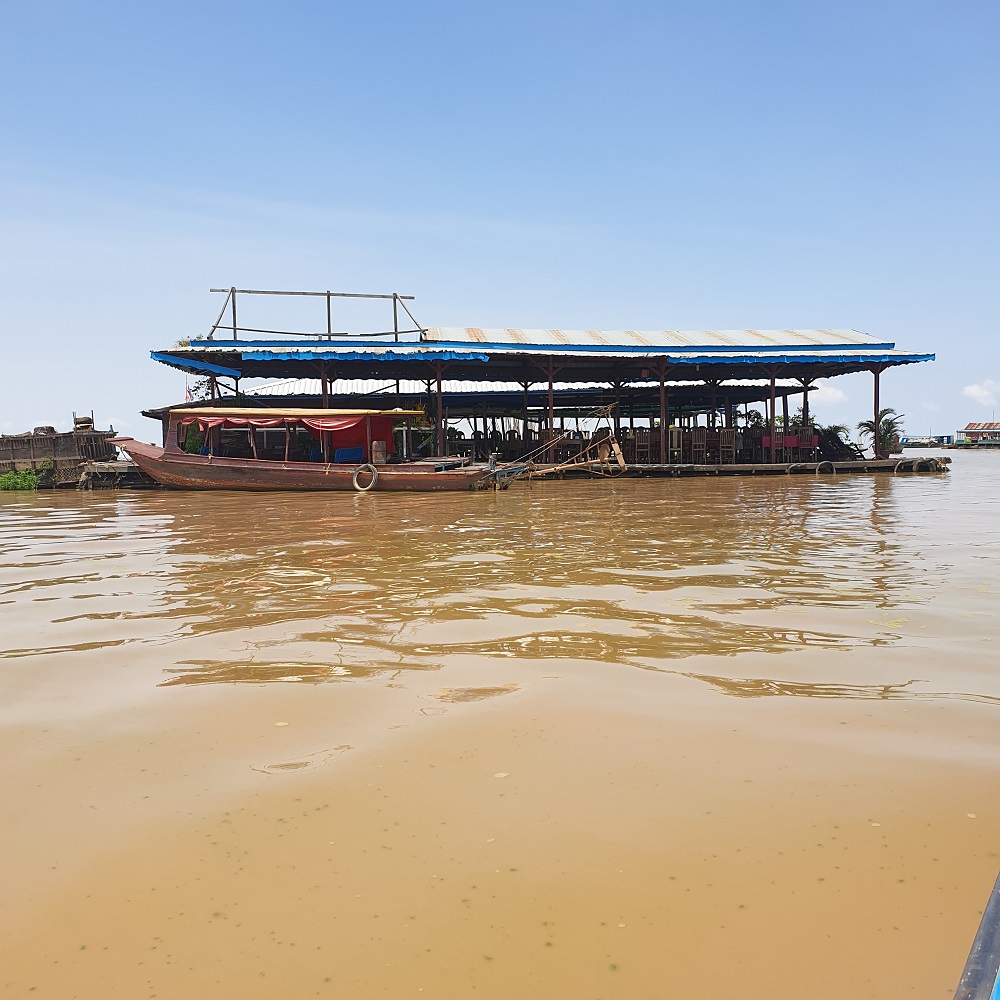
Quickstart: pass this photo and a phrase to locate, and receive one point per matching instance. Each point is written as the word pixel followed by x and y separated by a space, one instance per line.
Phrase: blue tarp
pixel 334 354
pixel 199 367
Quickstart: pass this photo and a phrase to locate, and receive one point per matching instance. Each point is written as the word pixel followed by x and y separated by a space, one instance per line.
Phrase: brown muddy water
pixel 640 739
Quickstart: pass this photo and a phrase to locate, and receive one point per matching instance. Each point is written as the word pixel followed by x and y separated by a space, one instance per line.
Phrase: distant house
pixel 982 435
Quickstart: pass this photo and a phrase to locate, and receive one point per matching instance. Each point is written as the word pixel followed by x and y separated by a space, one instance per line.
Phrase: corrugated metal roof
pixel 657 339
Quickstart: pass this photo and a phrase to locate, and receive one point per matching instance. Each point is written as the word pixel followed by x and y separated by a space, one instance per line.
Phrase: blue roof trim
pixel 840 359
pixel 190 365
pixel 338 355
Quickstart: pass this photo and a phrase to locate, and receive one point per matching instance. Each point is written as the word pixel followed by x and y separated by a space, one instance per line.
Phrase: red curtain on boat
pixel 332 423
pixel 354 434
pixel 313 423
pixel 347 432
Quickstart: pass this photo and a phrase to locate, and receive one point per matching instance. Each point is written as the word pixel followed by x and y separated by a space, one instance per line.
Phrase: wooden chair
pixel 727 446
pixel 675 446
pixel 699 446
pixel 711 446
pixel 642 446
pixel 808 444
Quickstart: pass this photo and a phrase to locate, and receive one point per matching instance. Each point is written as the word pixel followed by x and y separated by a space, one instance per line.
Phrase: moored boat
pixel 240 448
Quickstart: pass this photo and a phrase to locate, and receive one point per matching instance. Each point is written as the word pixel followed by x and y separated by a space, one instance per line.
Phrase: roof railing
pixel 230 304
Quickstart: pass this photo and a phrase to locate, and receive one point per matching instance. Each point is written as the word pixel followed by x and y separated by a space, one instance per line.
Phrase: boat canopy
pixel 206 422
pixel 208 417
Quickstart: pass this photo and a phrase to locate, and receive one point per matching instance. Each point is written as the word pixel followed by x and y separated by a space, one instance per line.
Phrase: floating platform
pixel 116 475
pixel 128 476
pixel 923 464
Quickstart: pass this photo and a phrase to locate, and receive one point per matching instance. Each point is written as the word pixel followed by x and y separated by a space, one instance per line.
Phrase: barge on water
pixel 57 458
pixel 677 399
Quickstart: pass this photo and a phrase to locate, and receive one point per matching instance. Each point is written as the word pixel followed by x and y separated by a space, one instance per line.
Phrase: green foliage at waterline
pixel 25 479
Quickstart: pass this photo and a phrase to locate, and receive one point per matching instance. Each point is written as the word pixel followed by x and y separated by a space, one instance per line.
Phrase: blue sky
pixel 629 165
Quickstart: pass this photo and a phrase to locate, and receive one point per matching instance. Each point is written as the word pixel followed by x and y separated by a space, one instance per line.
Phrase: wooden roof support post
pixel 784 412
pixel 663 412
pixel 548 450
pixel 324 385
pixel 876 436
pixel 524 413
pixel 772 428
pixel 550 374
pixel 439 415
pixel 806 383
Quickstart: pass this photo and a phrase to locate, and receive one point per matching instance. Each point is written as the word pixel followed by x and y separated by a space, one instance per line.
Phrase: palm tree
pixel 890 426
pixel 841 430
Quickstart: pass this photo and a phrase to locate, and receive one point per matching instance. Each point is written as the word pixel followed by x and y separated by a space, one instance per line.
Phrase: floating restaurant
pixel 678 400
pixel 979 435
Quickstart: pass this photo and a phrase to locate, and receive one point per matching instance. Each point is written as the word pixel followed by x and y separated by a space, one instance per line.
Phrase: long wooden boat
pixel 239 448
pixel 981 975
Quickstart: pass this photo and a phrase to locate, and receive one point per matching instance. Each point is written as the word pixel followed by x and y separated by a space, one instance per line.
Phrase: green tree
pixel 890 426
pixel 841 430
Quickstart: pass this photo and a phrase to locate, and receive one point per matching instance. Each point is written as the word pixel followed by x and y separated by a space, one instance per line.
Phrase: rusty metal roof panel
pixel 654 339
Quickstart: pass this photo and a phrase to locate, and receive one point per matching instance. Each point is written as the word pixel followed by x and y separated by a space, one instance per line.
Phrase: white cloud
pixel 929 404
pixel 985 393
pixel 824 393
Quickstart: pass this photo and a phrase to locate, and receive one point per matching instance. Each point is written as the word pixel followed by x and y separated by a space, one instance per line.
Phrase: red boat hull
pixel 210 472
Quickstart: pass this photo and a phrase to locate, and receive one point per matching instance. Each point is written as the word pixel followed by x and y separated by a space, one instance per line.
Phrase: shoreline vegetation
pixel 24 479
